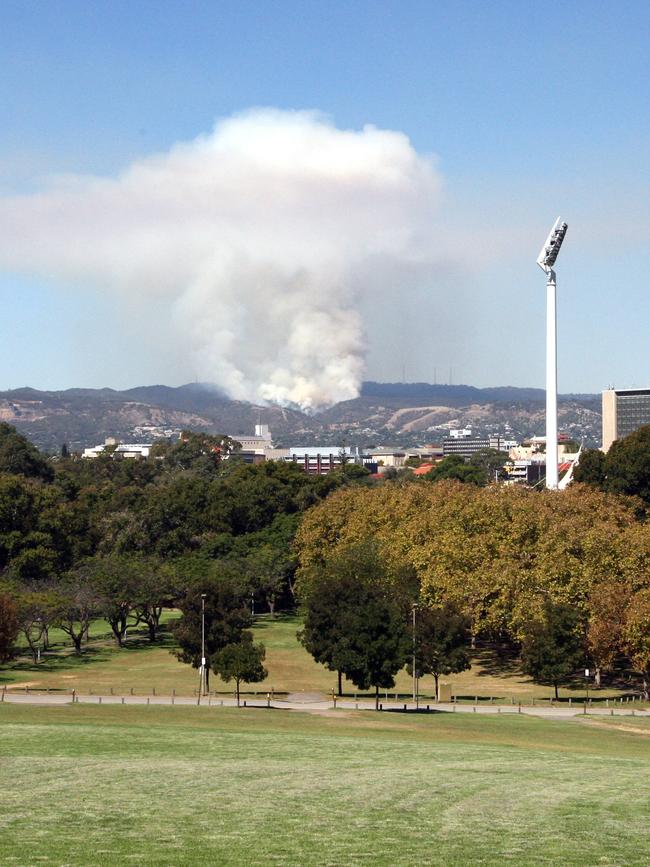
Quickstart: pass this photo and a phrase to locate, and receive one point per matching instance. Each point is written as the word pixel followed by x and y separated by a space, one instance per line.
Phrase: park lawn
pixel 143 668
pixel 160 785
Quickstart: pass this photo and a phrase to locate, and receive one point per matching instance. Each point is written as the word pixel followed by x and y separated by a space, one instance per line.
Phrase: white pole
pixel 415 682
pixel 551 383
pixel 202 690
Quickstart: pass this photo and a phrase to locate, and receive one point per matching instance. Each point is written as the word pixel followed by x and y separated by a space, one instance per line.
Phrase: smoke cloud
pixel 259 239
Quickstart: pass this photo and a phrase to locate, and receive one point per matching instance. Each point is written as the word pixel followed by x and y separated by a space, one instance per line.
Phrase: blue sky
pixel 532 110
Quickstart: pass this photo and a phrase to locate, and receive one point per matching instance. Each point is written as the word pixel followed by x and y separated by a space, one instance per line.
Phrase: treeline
pixel 123 539
pixel 563 577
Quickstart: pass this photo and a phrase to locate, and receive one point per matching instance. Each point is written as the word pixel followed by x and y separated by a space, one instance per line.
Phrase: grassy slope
pixel 107 785
pixel 291 669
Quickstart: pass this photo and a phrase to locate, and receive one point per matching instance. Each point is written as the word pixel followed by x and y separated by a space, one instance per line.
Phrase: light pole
pixel 415 677
pixel 202 689
pixel 546 260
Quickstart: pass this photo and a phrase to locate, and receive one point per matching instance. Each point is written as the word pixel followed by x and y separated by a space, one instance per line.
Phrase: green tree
pixel 325 632
pixel 455 467
pixel 200 452
pixel 355 618
pixel 241 662
pixel 114 581
pixel 226 616
pixel 157 587
pixel 268 568
pixel 627 465
pixel 77 606
pixel 37 611
pixel 9 626
pixel 19 457
pixel 491 461
pixel 591 469
pixel 442 638
pixel 552 647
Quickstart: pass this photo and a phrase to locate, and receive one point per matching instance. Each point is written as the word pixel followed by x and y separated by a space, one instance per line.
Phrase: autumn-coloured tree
pixel 636 636
pixel 608 605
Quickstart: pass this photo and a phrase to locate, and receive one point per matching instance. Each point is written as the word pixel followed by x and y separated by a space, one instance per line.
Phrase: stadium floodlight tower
pixel 546 260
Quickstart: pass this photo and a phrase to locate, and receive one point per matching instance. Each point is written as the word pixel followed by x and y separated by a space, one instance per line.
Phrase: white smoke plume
pixel 259 239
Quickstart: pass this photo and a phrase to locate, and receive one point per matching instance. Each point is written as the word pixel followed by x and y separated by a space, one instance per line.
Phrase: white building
pixel 120 450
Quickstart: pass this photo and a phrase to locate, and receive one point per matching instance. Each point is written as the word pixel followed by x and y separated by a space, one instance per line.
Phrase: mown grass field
pixel 144 667
pixel 89 785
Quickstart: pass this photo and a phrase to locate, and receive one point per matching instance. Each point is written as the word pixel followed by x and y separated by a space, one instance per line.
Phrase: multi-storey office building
pixel 624 411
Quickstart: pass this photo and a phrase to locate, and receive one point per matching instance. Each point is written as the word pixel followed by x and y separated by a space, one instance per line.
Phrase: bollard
pixel 584 709
pixel 147 701
pixel 474 708
pixel 404 707
pixel 268 699
pixel 519 708
pixel 173 692
pixel 111 690
pixel 99 699
pixel 73 695
pixel 244 702
pixel 122 699
pixel 154 691
pixel 498 710
pixel 611 712
pixel 334 697
pixel 356 705
pixel 428 708
pixel 173 697
pixel 381 707
pixel 633 711
pixel 131 690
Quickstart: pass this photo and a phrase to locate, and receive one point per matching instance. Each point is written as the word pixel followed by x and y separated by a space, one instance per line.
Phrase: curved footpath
pixel 314 703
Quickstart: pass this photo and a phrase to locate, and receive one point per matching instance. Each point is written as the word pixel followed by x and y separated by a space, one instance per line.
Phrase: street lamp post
pixel 202 688
pixel 546 260
pixel 415 677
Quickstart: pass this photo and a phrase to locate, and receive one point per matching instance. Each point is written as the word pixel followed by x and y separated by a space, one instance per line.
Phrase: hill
pixel 395 413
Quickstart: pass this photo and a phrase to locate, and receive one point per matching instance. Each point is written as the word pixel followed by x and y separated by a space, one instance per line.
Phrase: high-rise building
pixel 624 411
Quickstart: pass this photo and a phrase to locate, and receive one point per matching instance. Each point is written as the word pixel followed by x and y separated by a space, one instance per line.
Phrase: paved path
pixel 315 702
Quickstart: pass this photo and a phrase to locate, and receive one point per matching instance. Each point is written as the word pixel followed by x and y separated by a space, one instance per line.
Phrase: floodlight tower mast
pixel 546 260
